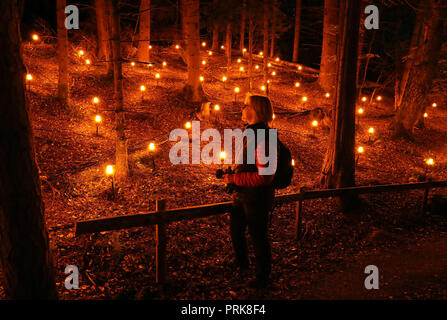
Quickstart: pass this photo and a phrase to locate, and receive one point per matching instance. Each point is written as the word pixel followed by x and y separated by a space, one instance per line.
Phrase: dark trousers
pixel 252 210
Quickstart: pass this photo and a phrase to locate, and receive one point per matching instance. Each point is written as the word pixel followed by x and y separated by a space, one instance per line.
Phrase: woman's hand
pixel 228 178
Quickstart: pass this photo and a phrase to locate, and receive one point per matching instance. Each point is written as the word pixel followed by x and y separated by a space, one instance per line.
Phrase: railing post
pixel 298 217
pixel 160 242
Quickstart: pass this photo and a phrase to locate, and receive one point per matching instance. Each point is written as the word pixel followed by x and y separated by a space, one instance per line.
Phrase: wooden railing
pixel 162 216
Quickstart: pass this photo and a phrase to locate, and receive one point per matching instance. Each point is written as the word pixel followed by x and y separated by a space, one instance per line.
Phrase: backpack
pixel 284 169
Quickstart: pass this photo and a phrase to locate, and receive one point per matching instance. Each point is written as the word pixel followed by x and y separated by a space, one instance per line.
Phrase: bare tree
pixel 103 26
pixel 25 257
pixel 193 89
pixel 228 43
pixel 243 18
pixel 339 164
pixel 121 155
pixel 63 83
pixel 296 39
pixel 266 39
pixel 145 31
pixel 422 70
pixel 328 68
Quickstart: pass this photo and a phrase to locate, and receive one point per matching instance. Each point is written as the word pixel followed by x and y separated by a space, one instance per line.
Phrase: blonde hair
pixel 262 107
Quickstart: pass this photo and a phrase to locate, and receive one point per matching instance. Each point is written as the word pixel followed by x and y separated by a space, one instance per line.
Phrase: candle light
pixel 277 59
pixel 273 116
pixel 256 67
pixel 239 60
pixel 87 61
pixel 261 53
pixel 327 94
pixel 293 162
pixel 434 105
pixel 110 172
pixel 241 69
pixel 360 150
pixel 142 89
pixel 151 146
pixel 203 62
pixel 132 64
pixel 81 53
pixel 28 79
pixel 314 126
pixel 263 88
pixel 236 91
pixel 35 37
pixel 177 46
pixel 216 107
pixel 98 121
pixel 300 68
pixel 203 44
pixel 222 47
pixel 210 53
pixel 164 64
pixel 202 78
pixel 304 99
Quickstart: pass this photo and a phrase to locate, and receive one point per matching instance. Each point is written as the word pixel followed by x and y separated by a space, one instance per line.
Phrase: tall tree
pixel 422 70
pixel 274 18
pixel 121 155
pixel 62 54
pixel 328 68
pixel 193 89
pixel 266 39
pixel 228 43
pixel 243 18
pixel 103 26
pixel 25 257
pixel 145 31
pixel 360 46
pixel 339 164
pixel 296 39
pixel 215 45
pixel 250 51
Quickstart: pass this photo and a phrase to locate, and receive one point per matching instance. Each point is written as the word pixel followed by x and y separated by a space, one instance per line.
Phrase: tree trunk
pixel 360 47
pixel 328 68
pixel 215 46
pixel 121 156
pixel 228 44
pixel 25 257
pixel 145 31
pixel 250 52
pixel 63 84
pixel 274 9
pixel 339 164
pixel 422 71
pixel 193 88
pixel 266 40
pixel 401 85
pixel 296 39
pixel 243 17
pixel 103 25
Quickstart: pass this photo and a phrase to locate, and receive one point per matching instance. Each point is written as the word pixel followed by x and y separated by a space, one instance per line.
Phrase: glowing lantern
pixel 256 67
pixel 426 115
pixel 216 107
pixel 224 78
pixel 360 111
pixel 327 94
pixel 110 170
pixel 297 84
pixel 157 76
pixel 150 47
pixel 430 162
pixel 81 53
pixel 269 65
pixel 304 99
pixel 293 162
pixel 364 99
pixel 223 155
pixel 379 98
pixel 151 146
pixel 35 37
pixel 244 50
pixel 300 67
pixel 434 105
pixel 202 78
pixel 314 123
pixel 371 130
pixel 132 64
pixel 95 100
pixel 98 119
pixel 29 77
pixel 177 46
pixel 164 63
pixel 203 62
pixel 239 60
pixel 241 69
pixel 274 73
pixel 143 88
pixel 210 53
pixel 277 59
pixel 188 125
pixel 87 61
pixel 261 53
pixel 222 47
pixel 236 89
pixel 273 116
pixel 263 88
pixel 360 150
pixel 203 44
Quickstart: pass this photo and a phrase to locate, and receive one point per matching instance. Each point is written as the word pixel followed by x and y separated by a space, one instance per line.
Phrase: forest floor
pixel 388 231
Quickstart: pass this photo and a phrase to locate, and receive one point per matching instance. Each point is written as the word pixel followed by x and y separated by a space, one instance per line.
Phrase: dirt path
pixel 414 271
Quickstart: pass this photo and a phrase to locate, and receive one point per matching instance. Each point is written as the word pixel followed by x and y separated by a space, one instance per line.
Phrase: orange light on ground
pixel 430 162
pixel 371 130
pixel 143 88
pixel 132 64
pixel 87 61
pixel 360 150
pixel 110 170
pixel 263 88
pixel 274 73
pixel 203 62
pixel 98 118
pixel 297 84
pixel 304 99
pixel 256 67
pixel 35 37
pixel 164 64
pixel 81 53
pixel 188 125
pixel 360 111
pixel 203 44
pixel 241 69
pixel 202 78
pixel 29 77
pixel 177 46
pixel 239 60
pixel 95 100
pixel 300 67
pixel 261 53
pixel 293 162
pixel 434 105
pixel 216 107
pixel 364 99
pixel 327 95
pixel 151 146
pixel 379 98
pixel 426 115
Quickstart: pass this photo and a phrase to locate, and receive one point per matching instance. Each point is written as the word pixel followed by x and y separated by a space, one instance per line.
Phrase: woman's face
pixel 248 115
